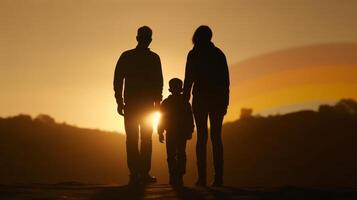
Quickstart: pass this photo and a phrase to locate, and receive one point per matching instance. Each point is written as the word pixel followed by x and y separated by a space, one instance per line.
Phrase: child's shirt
pixel 176 116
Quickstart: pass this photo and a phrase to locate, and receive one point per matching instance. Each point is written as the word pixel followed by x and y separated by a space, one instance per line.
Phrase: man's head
pixel 144 36
pixel 175 86
pixel 202 35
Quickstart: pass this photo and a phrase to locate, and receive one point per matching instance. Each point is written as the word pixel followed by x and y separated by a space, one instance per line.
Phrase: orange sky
pixel 57 57
pixel 286 91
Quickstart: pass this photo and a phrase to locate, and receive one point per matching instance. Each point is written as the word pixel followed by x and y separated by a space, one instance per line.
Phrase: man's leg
pixel 146 130
pixel 216 119
pixel 201 117
pixel 132 136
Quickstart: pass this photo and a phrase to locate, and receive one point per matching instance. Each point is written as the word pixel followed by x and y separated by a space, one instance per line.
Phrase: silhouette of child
pixel 177 120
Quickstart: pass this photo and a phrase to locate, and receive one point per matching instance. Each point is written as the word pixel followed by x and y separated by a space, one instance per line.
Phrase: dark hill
pixel 305 148
pixel 40 150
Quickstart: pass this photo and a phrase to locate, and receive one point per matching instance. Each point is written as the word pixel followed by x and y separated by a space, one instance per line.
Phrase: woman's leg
pixel 216 119
pixel 201 150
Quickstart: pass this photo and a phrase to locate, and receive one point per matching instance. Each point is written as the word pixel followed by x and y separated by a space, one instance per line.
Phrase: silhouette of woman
pixel 207 72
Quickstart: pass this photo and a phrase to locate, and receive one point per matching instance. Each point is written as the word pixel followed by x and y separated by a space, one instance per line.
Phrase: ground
pixel 163 191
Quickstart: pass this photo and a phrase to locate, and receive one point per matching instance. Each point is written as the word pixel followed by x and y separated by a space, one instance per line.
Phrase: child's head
pixel 175 86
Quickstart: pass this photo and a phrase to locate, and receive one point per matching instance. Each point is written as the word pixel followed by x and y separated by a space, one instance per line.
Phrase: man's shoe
pixel 148 179
pixel 201 183
pixel 134 181
pixel 172 180
pixel 217 183
pixel 179 181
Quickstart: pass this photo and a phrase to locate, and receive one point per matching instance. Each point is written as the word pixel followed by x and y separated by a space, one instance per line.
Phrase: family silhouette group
pixel 138 85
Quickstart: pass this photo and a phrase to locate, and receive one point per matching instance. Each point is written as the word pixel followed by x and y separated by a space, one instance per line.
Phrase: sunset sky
pixel 58 56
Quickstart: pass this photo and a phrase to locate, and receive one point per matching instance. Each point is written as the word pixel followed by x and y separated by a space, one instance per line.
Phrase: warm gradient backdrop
pixel 58 56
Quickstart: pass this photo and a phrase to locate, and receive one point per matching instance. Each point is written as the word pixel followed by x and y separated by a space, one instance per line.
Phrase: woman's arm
pixel 189 77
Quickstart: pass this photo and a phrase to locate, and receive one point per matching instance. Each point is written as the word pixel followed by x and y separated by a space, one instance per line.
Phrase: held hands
pixel 187 96
pixel 189 137
pixel 161 138
pixel 120 109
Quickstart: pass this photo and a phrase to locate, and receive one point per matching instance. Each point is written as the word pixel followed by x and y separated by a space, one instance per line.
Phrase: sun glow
pixel 155 120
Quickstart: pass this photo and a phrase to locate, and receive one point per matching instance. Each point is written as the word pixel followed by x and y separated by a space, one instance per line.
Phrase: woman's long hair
pixel 202 36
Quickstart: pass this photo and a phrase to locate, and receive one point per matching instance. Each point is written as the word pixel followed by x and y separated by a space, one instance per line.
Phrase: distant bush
pixel 45 119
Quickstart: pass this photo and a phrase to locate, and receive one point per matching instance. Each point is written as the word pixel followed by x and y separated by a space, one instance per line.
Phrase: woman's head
pixel 202 35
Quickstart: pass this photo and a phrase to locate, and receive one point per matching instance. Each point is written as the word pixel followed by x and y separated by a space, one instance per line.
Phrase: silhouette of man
pixel 207 72
pixel 138 75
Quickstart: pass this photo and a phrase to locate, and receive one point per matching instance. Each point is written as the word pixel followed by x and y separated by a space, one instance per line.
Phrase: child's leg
pixel 181 160
pixel 171 156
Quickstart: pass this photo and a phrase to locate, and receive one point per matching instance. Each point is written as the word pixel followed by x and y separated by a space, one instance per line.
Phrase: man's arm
pixel 162 123
pixel 159 81
pixel 189 77
pixel 118 83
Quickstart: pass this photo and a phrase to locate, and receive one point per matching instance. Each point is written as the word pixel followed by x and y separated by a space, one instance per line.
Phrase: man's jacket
pixel 138 72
